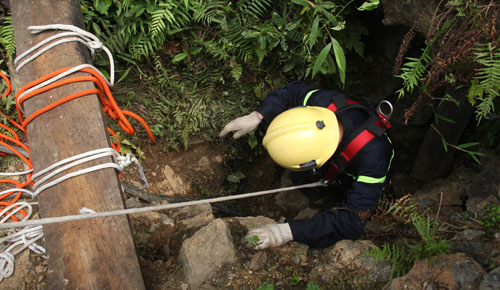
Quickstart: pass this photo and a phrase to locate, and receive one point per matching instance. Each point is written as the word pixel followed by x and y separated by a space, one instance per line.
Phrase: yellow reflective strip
pixel 368 179
pixel 309 94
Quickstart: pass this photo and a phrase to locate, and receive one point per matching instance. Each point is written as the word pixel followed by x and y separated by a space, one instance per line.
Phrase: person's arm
pixel 290 96
pixel 275 102
pixel 349 220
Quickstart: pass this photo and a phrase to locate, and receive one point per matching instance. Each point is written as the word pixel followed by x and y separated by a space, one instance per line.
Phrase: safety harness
pixel 375 126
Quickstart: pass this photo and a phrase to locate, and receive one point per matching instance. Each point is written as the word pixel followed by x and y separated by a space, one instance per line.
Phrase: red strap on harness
pixel 334 108
pixel 356 144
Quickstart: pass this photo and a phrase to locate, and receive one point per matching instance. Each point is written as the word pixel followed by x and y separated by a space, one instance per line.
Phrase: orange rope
pixel 110 107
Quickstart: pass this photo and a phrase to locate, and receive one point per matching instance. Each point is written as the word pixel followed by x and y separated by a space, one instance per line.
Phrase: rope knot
pixel 6 265
pixel 95 44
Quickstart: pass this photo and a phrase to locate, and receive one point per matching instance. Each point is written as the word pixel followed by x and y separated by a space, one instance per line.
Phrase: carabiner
pixel 388 115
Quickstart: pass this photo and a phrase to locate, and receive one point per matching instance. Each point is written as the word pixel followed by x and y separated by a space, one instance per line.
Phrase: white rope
pixel 15 173
pixel 89 214
pixel 39 185
pixel 17 240
pixel 82 36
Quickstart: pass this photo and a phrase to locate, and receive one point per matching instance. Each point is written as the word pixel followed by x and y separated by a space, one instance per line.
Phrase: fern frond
pixel 413 70
pixel 255 8
pixel 7 39
pixel 486 81
pixel 207 12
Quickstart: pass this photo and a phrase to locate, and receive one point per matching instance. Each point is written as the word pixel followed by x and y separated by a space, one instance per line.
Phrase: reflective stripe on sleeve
pixel 368 179
pixel 309 94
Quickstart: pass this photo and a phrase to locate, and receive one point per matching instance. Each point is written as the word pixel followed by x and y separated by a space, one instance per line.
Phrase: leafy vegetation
pixel 184 52
pixel 429 246
pixel 491 219
pixel 7 39
pixel 464 42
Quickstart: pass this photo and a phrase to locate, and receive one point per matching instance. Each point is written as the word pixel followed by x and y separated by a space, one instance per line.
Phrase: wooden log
pixel 89 254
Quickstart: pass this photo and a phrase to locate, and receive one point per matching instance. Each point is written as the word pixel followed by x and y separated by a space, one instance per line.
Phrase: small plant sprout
pixel 252 240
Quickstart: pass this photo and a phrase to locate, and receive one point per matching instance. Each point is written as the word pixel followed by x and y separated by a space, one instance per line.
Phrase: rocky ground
pixel 200 247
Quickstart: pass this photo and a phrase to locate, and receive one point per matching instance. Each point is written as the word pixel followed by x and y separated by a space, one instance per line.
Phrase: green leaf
pixel 369 5
pixel 474 157
pixel 195 50
pixel 277 20
pixel 102 6
pixel 321 58
pixel 340 26
pixel 314 32
pixel 329 16
pixel 312 286
pixel 445 145
pixel 475 90
pixel 445 119
pixel 301 3
pixel 236 177
pixel 179 57
pixel 252 141
pixel 467 145
pixel 340 59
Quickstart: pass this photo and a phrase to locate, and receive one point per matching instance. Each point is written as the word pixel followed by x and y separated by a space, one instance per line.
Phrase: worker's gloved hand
pixel 270 235
pixel 242 125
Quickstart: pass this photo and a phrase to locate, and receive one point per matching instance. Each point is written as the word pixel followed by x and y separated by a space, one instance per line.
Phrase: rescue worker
pixel 321 134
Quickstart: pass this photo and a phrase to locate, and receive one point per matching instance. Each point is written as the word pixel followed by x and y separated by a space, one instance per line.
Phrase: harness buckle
pixel 380 111
pixel 329 182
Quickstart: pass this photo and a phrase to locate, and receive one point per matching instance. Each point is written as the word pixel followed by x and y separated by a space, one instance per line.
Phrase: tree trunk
pixel 88 254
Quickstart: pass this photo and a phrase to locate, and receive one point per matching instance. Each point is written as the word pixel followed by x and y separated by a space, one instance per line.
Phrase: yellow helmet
pixel 302 138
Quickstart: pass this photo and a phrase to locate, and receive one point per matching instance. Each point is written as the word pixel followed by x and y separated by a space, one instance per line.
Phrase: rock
pixel 449 193
pixel 306 213
pixel 206 251
pixel 349 257
pixel 403 184
pixel 491 280
pixel 291 202
pixel 487 181
pixel 132 203
pixel 152 229
pixel 257 261
pixel 174 184
pixel 294 251
pixel 468 235
pixel 253 222
pixel 456 271
pixel 476 206
pixel 192 217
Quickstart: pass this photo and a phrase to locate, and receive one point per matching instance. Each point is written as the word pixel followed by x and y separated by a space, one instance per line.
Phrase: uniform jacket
pixel 367 171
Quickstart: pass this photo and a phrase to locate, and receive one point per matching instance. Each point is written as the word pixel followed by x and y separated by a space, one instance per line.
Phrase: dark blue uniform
pixel 362 179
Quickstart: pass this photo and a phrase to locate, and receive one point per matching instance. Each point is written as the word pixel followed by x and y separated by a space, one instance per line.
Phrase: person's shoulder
pixel 377 150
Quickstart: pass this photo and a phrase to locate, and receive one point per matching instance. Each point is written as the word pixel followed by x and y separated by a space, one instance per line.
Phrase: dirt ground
pixel 203 166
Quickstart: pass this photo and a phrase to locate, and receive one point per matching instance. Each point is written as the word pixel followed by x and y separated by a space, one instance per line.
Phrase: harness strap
pixel 374 126
pixel 356 144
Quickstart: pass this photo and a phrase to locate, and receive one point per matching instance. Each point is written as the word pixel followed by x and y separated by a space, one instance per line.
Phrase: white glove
pixel 242 125
pixel 270 235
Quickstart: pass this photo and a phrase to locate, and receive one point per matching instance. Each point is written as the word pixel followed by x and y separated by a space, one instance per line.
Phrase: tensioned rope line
pixel 86 214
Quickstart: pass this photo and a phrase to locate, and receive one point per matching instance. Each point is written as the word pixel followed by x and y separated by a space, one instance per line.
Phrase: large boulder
pixel 193 217
pixel 491 280
pixel 451 272
pixel 350 257
pixel 206 251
